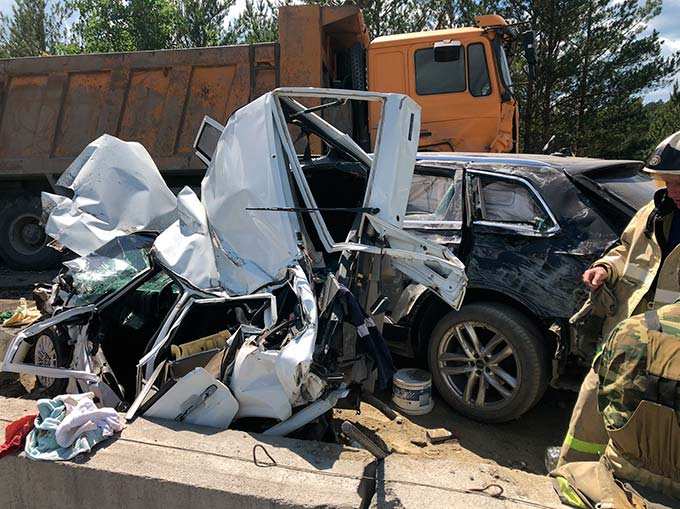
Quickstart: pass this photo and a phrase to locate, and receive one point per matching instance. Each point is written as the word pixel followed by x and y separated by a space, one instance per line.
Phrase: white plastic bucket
pixel 412 391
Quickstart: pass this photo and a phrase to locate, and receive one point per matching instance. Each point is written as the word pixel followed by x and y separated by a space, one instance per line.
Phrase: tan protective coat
pixel 632 268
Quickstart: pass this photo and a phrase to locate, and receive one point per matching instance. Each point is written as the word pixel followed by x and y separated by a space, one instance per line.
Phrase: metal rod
pixel 378 404
pixel 353 432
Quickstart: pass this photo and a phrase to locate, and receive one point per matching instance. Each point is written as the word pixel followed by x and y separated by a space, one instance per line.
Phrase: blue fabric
pixel 41 443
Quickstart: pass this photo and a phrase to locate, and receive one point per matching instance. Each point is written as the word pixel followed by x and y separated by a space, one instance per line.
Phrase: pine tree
pixel 257 23
pixel 202 22
pixel 596 58
pixel 664 118
pixel 36 27
pixel 126 25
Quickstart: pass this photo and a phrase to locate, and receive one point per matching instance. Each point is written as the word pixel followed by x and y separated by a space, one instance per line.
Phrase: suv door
pixel 511 247
pixel 435 204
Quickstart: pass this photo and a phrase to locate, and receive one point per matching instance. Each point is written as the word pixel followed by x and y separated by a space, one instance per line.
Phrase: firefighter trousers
pixel 586 437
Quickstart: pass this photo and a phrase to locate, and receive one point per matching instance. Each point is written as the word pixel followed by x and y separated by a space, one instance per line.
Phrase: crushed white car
pixel 251 301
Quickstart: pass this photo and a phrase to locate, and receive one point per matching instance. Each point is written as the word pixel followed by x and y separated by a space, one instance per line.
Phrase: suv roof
pixel 571 165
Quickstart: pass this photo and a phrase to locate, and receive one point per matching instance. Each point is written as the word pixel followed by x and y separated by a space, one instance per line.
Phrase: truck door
pixel 459 100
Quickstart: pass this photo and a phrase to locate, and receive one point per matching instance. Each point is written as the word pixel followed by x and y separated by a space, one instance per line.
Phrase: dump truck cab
pixel 460 77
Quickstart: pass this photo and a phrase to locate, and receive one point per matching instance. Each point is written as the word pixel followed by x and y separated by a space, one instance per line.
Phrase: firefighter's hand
pixel 595 277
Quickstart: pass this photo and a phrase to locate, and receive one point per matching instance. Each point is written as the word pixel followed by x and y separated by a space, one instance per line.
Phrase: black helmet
pixel 666 157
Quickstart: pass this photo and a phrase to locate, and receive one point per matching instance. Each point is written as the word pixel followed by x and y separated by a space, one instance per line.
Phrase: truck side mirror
pixel 529 43
pixel 447 51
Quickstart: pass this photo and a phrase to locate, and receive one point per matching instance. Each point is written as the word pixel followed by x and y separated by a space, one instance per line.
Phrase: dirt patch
pixel 519 444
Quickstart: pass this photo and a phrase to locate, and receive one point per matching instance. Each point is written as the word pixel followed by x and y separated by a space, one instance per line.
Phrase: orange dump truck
pixel 52 107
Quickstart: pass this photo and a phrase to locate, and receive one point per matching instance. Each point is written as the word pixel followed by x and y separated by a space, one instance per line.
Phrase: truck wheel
pixel 22 237
pixel 488 362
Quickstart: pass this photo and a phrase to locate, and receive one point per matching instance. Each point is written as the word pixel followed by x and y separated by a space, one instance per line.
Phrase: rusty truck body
pixel 52 107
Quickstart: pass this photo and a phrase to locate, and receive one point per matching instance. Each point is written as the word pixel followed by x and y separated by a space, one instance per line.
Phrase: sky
pixel 667 24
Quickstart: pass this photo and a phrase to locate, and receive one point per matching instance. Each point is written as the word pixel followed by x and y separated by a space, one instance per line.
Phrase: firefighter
pixel 639 398
pixel 642 273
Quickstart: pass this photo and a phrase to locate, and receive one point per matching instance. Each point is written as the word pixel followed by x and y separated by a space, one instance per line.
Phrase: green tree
pixel 35 27
pixel 596 59
pixel 257 23
pixel 202 22
pixel 664 118
pixel 126 25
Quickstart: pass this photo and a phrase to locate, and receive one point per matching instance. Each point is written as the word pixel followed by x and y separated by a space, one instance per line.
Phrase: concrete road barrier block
pixel 414 483
pixel 177 466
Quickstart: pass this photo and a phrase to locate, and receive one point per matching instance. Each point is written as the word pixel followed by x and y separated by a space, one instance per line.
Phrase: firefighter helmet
pixel 666 156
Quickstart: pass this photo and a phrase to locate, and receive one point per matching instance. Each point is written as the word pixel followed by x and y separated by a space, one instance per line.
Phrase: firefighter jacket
pixel 642 274
pixel 639 399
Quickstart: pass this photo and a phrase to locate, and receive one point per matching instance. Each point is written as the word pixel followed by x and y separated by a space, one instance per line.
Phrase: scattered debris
pixel 22 316
pixel 412 391
pixel 69 425
pixel 379 405
pixel 16 433
pixel 439 435
pixel 354 433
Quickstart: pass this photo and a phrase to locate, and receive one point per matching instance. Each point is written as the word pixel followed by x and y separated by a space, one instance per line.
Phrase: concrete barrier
pixel 168 465
pixel 177 466
pixel 410 483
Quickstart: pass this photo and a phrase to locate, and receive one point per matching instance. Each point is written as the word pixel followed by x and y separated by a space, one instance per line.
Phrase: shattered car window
pixel 431 198
pixel 507 201
pixel 108 269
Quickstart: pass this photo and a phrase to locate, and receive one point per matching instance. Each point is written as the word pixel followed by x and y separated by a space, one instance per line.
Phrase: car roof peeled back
pixel 571 165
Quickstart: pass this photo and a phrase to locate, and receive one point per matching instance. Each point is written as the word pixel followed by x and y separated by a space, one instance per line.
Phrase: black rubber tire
pixel 64 353
pixel 40 258
pixel 357 64
pixel 530 354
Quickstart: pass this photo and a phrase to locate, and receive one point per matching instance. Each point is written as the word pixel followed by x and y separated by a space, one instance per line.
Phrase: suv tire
pixel 493 349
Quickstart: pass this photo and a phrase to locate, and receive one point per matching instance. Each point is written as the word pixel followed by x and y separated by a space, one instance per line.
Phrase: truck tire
pixel 22 237
pixel 488 361
pixel 357 65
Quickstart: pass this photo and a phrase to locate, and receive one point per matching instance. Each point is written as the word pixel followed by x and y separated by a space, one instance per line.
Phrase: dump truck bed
pixel 52 107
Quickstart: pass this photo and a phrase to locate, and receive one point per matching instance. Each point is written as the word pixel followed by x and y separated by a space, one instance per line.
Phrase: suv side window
pixel 510 202
pixel 432 198
pixel 435 205
pixel 438 77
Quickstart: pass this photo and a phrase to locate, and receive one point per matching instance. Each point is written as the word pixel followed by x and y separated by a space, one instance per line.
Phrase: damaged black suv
pixel 526 227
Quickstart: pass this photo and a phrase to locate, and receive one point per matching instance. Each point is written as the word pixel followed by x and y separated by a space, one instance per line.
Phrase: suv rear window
pixel 438 77
pixel 636 188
